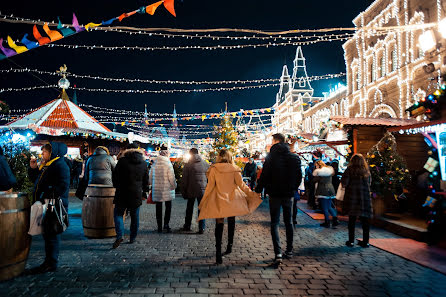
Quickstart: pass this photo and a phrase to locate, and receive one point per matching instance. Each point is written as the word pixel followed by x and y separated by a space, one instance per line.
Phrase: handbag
pixel 55 220
pixel 81 188
pixel 149 199
pixel 340 193
pixel 35 226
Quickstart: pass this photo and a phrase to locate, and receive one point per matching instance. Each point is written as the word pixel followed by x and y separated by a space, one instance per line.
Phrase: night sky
pixel 242 64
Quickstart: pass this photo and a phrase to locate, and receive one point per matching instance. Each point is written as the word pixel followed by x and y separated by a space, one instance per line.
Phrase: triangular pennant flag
pixel 28 43
pixel 76 24
pixel 18 48
pixel 152 7
pixel 109 21
pixel 65 31
pixel 91 25
pixel 168 4
pixel 7 51
pixel 53 34
pixel 41 40
pixel 126 15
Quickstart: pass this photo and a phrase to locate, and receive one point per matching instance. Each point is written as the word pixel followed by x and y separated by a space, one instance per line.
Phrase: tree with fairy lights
pixel 226 138
pixel 389 171
pixel 16 149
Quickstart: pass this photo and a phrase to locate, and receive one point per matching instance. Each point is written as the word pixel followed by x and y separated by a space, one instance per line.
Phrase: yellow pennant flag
pixel 91 25
pixel 152 7
pixel 268 109
pixel 18 48
pixel 122 123
pixel 203 117
pixel 251 112
pixel 233 114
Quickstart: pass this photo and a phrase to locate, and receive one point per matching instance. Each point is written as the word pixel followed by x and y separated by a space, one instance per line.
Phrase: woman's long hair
pixel 358 166
pixel 224 156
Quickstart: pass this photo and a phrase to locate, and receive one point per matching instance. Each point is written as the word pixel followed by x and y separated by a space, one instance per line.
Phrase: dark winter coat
pixel 99 168
pixel 77 167
pixel 281 174
pixel 130 178
pixel 53 179
pixel 194 180
pixel 250 170
pixel 7 178
pixel 357 201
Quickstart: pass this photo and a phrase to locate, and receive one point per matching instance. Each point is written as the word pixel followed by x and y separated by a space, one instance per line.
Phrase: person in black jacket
pixel 52 180
pixel 130 178
pixel 193 185
pixel 99 167
pixel 7 178
pixel 251 172
pixel 279 177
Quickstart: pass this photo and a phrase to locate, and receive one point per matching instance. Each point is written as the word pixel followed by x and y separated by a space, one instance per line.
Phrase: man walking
pixel 279 177
pixel 192 187
pixel 251 172
pixel 130 178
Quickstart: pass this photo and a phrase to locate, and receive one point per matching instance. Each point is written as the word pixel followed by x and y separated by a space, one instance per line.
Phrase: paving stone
pixel 181 265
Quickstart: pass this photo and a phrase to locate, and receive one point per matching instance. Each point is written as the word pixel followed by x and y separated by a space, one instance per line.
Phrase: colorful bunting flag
pixel 152 7
pixel 18 48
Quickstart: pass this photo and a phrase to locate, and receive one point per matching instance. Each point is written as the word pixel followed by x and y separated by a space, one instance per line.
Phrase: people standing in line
pixel 76 171
pixel 130 178
pixel 99 167
pixel 162 179
pixel 193 185
pixel 226 196
pixel 51 180
pixel 357 203
pixel 251 172
pixel 7 178
pixel 325 192
pixel 280 180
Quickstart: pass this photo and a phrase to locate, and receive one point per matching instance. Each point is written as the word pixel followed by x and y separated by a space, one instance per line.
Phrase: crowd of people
pixel 219 189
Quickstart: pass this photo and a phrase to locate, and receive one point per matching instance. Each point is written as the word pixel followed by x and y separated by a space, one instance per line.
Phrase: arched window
pixel 301 82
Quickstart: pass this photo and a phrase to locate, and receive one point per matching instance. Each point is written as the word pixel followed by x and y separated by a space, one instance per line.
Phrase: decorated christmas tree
pixel 389 171
pixel 226 137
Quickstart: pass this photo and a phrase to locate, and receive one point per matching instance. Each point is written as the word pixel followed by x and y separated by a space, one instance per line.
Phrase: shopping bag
pixel 149 198
pixel 55 220
pixel 340 193
pixel 35 226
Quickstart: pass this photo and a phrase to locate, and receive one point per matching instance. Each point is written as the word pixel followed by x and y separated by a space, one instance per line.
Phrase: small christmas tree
pixel 389 171
pixel 226 138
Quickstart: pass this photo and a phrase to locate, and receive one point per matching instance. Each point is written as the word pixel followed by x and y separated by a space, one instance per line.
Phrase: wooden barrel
pixel 14 239
pixel 97 211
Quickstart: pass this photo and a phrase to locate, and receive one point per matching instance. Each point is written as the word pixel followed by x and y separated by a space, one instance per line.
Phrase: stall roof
pixel 391 122
pixel 418 125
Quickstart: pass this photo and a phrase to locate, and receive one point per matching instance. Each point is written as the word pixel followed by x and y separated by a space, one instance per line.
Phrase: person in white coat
pixel 162 179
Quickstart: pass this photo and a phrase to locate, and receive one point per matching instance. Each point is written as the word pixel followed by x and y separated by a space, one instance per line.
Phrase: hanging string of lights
pixel 152 81
pixel 200 47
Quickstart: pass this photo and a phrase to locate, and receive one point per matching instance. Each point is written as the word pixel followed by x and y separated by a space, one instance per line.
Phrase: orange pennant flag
pixel 152 7
pixel 168 4
pixel 53 34
pixel 126 15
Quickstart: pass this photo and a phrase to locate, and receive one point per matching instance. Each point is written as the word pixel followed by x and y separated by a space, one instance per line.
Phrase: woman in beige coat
pixel 226 196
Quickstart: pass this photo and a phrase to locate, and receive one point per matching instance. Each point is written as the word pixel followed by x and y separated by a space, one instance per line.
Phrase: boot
pixel 326 224
pixel 218 239
pixel 335 222
pixel 231 230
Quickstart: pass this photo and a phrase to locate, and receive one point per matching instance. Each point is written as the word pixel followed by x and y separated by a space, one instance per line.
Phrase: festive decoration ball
pixel 372 156
pixel 429 153
pixel 64 83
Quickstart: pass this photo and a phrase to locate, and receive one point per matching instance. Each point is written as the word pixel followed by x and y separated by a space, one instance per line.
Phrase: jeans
pixel 159 213
pixel 296 198
pixel 119 222
pixel 52 243
pixel 189 213
pixel 365 228
pixel 327 208
pixel 274 208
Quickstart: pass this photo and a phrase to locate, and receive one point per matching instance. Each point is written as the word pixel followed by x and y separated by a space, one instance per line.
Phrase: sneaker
pixel 117 242
pixel 201 231
pixel 167 229
pixel 185 229
pixel 288 255
pixel 326 225
pixel 349 244
pixel 131 241
pixel 363 244
pixel 277 261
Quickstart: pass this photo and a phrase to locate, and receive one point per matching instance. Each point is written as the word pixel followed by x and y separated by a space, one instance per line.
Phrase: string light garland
pixel 200 47
pixel 152 81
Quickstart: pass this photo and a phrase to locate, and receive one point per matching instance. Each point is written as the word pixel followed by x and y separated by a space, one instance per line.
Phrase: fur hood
pixel 134 155
pixel 325 171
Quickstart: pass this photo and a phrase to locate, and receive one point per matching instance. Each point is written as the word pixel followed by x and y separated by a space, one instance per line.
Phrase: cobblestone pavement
pixel 179 264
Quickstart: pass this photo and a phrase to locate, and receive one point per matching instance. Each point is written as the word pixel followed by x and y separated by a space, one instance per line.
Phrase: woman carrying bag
pixel 325 192
pixel 357 202
pixel 226 196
